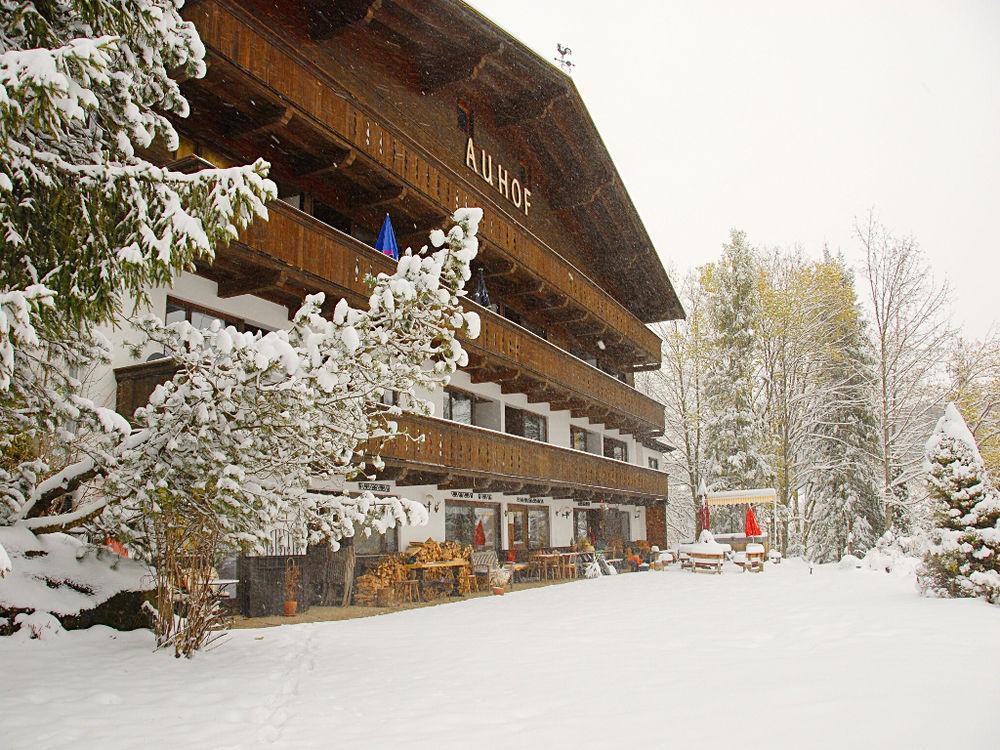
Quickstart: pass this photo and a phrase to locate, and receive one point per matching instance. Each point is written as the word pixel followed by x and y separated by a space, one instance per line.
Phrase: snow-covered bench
pixel 706 554
pixel 755 558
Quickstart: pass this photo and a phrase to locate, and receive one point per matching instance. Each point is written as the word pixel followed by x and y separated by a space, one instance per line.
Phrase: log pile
pixel 438 582
pixel 377 586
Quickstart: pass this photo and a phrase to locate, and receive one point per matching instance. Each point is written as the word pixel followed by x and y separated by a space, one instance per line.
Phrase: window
pixel 199 317
pixel 459 406
pixel 526 424
pixel 654 463
pixel 527 527
pixel 615 449
pixel 465 119
pixel 582 525
pixel 461 519
pixel 377 544
pixel 203 318
pixel 584 440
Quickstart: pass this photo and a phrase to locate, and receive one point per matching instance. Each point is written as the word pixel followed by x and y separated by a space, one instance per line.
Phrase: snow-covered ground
pixel 840 658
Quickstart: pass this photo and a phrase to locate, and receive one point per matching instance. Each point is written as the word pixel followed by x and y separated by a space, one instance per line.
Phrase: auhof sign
pixel 507 185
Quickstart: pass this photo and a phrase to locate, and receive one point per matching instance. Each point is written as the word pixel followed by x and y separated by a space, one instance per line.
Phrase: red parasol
pixel 703 519
pixel 480 537
pixel 752 528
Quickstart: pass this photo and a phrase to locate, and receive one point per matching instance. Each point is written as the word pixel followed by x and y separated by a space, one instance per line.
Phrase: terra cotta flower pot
pixel 291 607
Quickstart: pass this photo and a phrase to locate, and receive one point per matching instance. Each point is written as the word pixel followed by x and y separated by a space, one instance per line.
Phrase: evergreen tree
pixel 734 435
pixel 963 557
pixel 844 495
pixel 87 223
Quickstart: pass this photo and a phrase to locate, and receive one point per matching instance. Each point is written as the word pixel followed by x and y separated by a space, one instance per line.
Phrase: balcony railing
pixel 490 461
pixel 303 88
pixel 460 455
pixel 505 352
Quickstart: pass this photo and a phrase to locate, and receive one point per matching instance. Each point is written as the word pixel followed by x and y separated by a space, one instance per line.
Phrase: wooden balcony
pixel 288 110
pixel 461 456
pixel 293 254
pixel 458 455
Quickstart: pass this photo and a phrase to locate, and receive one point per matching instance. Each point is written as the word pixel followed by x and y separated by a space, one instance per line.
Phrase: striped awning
pixel 743 497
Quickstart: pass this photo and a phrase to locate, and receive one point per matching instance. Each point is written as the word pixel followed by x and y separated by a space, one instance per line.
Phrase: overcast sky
pixel 790 119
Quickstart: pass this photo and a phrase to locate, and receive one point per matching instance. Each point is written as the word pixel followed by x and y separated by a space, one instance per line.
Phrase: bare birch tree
pixel 910 330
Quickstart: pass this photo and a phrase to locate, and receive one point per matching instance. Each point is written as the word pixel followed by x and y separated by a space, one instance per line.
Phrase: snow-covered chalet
pixel 413 108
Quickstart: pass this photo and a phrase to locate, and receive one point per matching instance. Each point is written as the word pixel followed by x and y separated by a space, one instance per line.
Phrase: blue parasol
pixel 386 242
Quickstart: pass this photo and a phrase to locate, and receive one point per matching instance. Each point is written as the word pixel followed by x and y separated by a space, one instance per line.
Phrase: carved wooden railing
pixel 311 246
pixel 305 87
pixel 457 449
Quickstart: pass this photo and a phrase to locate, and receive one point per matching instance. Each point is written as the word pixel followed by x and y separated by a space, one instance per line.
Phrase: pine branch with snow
pixel 87 223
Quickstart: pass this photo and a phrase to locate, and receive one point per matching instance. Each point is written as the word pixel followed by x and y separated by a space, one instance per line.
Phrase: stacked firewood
pixel 377 586
pixel 431 551
pixel 439 580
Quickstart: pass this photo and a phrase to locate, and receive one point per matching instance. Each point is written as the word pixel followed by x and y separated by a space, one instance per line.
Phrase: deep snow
pixel 783 659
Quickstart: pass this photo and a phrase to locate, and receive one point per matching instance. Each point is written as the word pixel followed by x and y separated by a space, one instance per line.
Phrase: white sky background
pixel 789 119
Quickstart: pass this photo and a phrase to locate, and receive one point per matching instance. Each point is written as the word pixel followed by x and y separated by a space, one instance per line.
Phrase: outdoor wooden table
pixel 421 569
pixel 551 562
pixel 567 561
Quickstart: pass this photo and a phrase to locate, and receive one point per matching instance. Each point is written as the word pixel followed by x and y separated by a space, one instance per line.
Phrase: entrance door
pixel 528 527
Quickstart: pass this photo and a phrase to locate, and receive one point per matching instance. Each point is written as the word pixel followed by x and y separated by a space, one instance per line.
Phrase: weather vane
pixel 563 60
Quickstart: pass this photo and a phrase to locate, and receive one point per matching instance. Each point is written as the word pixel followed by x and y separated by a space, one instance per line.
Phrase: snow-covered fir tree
pixel 963 557
pixel 734 434
pixel 87 223
pixel 844 505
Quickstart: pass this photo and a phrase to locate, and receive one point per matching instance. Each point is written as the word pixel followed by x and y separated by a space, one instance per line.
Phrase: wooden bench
pixel 707 561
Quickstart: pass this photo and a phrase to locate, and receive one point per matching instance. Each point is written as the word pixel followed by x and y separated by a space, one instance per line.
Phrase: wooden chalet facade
pixel 414 108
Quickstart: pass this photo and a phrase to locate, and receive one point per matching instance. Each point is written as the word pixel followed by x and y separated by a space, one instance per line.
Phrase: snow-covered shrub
pixel 57 575
pixel 963 548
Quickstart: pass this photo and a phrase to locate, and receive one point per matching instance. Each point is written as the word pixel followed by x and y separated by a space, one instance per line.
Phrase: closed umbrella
pixel 703 519
pixel 386 242
pixel 480 537
pixel 752 528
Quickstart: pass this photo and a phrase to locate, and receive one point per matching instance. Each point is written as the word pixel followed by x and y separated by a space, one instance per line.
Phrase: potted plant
pixel 292 574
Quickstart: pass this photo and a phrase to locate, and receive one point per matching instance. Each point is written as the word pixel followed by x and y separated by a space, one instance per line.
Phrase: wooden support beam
pixel 582 195
pixel 561 302
pixel 386 196
pixel 464 66
pixel 455 482
pixel 533 287
pixel 498 267
pixel 531 107
pixel 255 130
pixel 328 19
pixel 338 159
